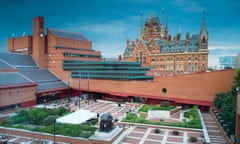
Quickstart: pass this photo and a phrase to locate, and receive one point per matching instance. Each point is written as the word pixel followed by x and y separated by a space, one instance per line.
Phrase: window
pixel 196 67
pixel 203 67
pixel 189 67
pixel 164 90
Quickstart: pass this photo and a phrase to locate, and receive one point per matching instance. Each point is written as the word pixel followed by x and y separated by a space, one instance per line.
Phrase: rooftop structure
pixel 157 49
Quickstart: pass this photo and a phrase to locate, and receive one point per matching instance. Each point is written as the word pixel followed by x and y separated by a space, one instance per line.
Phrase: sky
pixel 109 23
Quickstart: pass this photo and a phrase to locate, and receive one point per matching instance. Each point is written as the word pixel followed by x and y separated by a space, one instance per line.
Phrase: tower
pixel 38 42
pixel 203 42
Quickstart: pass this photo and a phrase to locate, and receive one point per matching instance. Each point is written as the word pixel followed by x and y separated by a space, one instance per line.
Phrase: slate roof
pixel 13 78
pixel 29 73
pixel 39 75
pixel 51 86
pixel 5 65
pixel 69 35
pixel 18 60
pixel 172 46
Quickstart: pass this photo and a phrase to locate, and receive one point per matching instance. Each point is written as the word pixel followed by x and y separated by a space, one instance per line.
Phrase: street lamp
pixel 79 100
pixel 237 130
pixel 88 89
pixel 69 88
pixel 54 131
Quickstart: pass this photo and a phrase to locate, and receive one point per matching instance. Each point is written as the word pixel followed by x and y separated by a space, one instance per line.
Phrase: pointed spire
pixel 203 26
pixel 162 16
pixel 141 19
pixel 179 27
pixel 166 22
pixel 150 16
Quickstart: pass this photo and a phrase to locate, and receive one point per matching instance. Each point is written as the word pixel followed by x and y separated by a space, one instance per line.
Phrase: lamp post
pixel 54 131
pixel 88 89
pixel 69 88
pixel 79 100
pixel 237 131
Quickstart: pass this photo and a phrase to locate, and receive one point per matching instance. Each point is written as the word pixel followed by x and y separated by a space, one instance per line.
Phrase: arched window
pixel 204 39
pixel 203 67
pixel 189 67
pixel 196 67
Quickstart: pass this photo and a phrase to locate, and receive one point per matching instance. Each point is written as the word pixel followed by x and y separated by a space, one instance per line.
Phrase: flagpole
pixel 79 100
pixel 88 88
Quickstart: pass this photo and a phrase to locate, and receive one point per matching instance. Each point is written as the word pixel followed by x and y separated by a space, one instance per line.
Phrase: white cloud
pixel 109 49
pixel 109 27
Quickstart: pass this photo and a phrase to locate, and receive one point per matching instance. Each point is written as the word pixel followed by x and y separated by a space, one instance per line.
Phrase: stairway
pixel 214 131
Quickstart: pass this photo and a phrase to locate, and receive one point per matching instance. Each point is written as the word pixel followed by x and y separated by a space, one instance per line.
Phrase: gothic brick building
pixel 167 55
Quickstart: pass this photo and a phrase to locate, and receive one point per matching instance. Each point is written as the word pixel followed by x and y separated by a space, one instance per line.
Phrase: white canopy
pixel 77 117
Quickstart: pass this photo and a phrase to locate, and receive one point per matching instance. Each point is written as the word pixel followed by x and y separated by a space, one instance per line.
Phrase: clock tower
pixel 38 42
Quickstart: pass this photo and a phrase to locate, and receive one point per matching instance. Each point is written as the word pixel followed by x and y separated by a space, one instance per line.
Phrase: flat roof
pixel 77 117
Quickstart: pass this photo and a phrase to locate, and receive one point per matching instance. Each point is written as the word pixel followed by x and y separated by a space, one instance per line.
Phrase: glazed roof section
pixel 5 65
pixel 29 73
pixel 69 35
pixel 12 79
pixel 39 75
pixel 18 60
pixel 58 85
pixel 110 70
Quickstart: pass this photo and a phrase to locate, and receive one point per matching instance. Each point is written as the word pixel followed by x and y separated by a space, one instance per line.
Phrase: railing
pixel 204 129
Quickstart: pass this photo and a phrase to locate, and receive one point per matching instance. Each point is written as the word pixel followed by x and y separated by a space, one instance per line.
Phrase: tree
pixel 226 103
pixel 37 115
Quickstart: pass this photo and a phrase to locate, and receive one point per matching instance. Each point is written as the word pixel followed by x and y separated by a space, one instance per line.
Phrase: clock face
pixel 41 35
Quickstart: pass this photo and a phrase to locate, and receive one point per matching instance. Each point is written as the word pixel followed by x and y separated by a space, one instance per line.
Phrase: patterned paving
pixel 14 139
pixel 138 135
pixel 215 134
pixel 135 134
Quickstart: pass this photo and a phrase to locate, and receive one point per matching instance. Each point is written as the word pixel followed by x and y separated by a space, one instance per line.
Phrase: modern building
pixel 63 61
pixel 156 48
pixel 226 62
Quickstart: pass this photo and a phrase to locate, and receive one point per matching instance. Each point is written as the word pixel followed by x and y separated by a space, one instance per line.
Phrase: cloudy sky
pixel 108 23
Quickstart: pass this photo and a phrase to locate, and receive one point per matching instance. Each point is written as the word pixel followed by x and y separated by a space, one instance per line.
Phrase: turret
pixel 203 35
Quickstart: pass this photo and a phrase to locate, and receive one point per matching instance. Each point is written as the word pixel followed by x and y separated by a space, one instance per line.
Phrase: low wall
pixel 157 114
pixel 44 136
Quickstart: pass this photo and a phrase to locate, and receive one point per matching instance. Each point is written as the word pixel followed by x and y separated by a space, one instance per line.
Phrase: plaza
pixel 133 133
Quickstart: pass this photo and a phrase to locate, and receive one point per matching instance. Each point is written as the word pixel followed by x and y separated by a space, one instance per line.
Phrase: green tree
pixel 37 115
pixel 226 103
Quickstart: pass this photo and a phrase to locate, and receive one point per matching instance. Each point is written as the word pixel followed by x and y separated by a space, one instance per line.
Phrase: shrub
pixel 175 132
pixel 165 103
pixel 37 115
pixel 157 130
pixel 49 120
pixel 192 139
pixel 61 110
pixel 145 108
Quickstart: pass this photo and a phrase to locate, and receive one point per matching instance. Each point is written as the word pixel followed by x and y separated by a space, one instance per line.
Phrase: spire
pixel 150 16
pixel 203 26
pixel 166 22
pixel 179 27
pixel 141 24
pixel 162 16
pixel 141 19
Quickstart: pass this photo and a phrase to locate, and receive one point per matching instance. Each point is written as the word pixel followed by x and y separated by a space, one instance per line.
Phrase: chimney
pixel 119 58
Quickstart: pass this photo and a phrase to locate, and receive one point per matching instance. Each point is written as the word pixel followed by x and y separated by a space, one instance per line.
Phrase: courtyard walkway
pixel 214 131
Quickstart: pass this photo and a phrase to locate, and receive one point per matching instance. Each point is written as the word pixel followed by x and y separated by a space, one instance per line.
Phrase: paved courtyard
pixel 137 133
